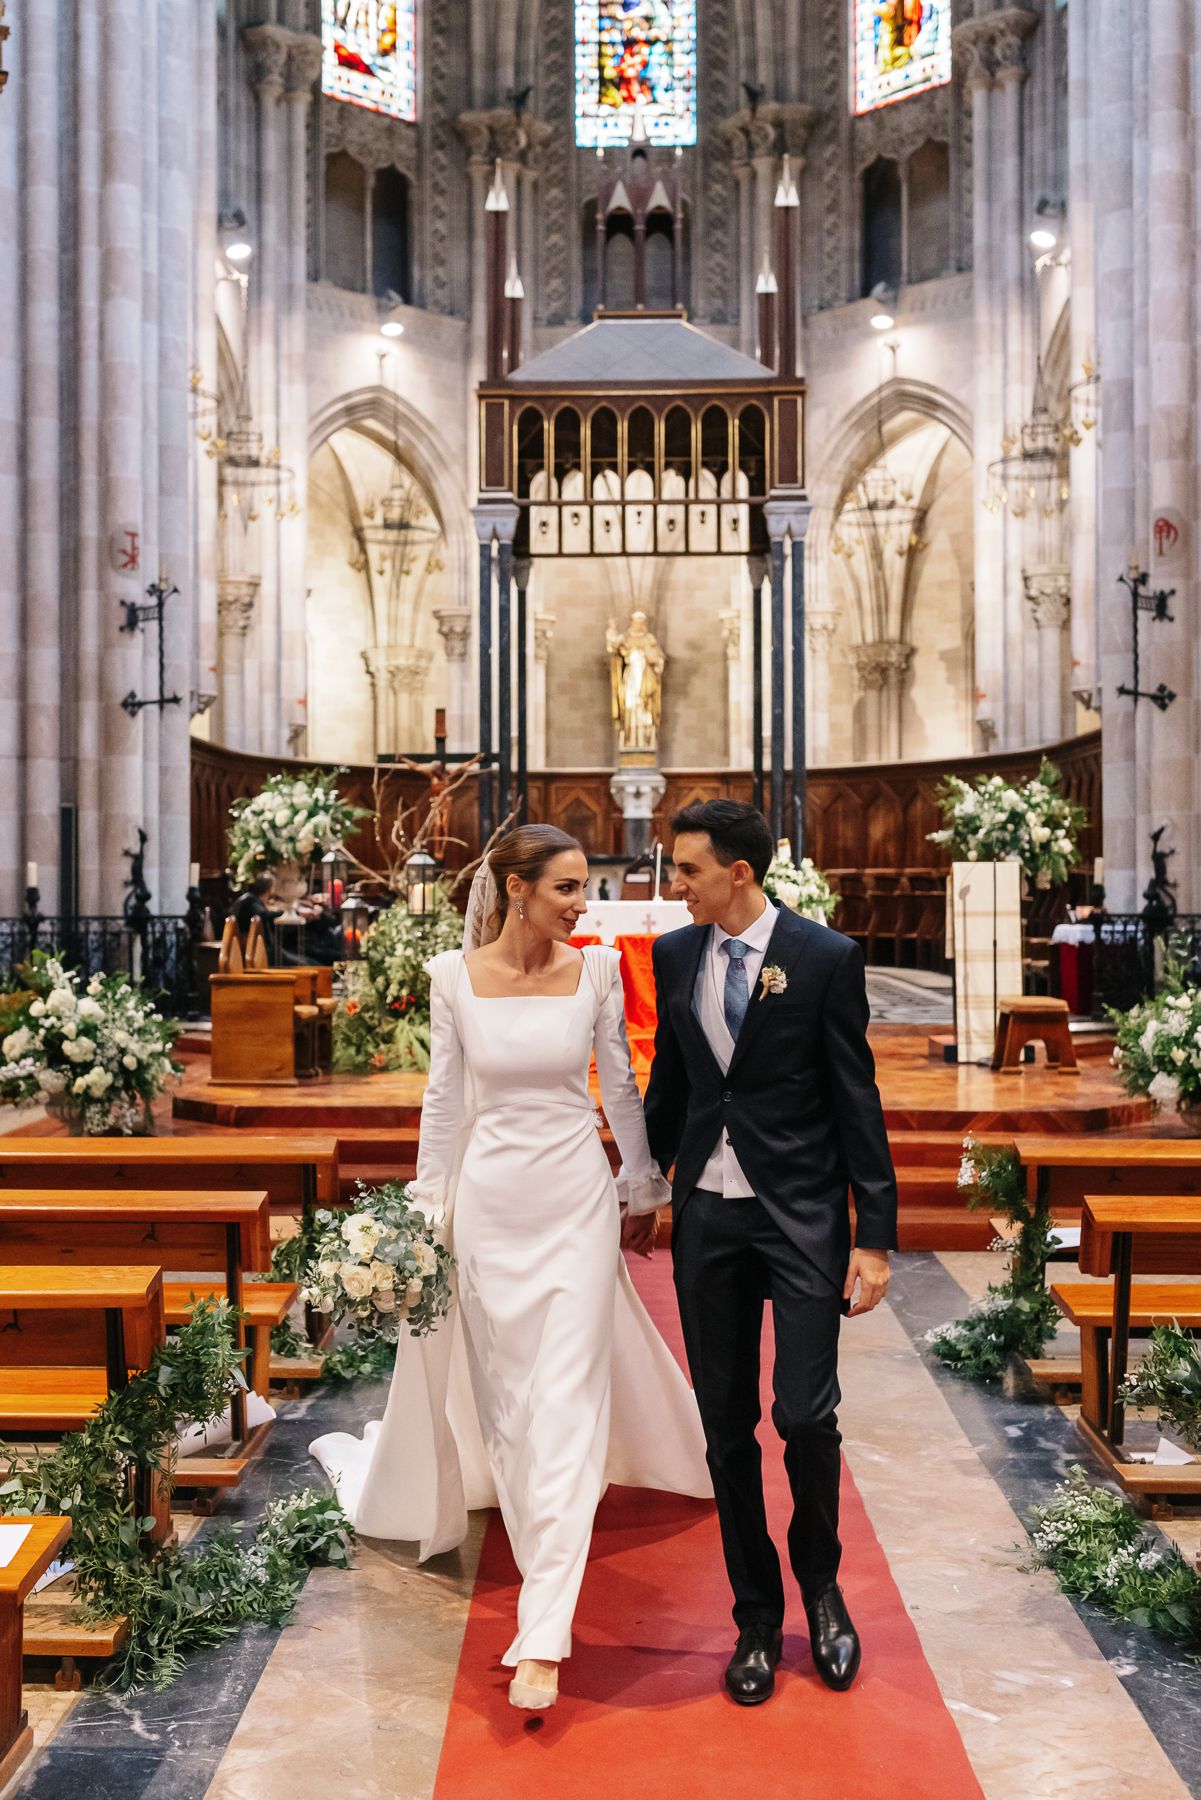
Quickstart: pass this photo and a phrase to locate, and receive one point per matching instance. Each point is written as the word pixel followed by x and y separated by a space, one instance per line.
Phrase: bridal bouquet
pixel 293 819
pixel 97 1054
pixel 995 822
pixel 1158 1049
pixel 799 886
pixel 379 1266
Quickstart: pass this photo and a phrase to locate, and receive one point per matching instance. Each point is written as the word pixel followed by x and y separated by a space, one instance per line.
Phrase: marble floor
pixel 1050 1699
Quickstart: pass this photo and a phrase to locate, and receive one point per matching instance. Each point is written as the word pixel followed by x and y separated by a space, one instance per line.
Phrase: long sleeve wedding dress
pixel 548 1377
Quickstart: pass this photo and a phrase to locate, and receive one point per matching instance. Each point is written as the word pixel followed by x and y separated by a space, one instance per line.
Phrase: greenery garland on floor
pixel 1017 1315
pixel 1097 1548
pixel 175 1600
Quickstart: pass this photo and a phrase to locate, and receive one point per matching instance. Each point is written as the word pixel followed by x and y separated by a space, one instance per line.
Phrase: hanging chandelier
pixel 1030 477
pixel 251 476
pixel 393 529
pixel 1084 397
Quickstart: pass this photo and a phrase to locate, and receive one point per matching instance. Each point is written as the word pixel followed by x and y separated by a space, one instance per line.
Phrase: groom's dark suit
pixel 800 1104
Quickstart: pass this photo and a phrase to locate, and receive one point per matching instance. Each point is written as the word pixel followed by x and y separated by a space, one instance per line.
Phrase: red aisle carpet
pixel 641 1715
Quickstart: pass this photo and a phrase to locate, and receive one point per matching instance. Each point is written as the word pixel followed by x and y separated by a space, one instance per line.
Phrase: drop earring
pixel 521 910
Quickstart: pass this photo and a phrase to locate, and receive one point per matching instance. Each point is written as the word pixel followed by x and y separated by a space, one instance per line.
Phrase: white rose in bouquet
pixel 1164 1090
pixel 356 1280
pixel 424 1257
pixel 414 1292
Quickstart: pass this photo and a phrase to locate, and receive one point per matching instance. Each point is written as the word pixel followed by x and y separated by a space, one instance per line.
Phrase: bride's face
pixel 556 902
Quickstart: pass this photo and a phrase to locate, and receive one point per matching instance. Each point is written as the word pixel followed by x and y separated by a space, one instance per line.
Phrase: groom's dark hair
pixel 738 832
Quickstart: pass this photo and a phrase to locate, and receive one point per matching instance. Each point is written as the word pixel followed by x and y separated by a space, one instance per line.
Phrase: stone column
pixel 1082 515
pixel 235 614
pixel 819 636
pixel 1048 592
pixel 269 46
pixel 303 69
pixel 881 669
pixel 544 631
pixel 991 51
pixel 454 628
pixel 731 637
pixel 410 676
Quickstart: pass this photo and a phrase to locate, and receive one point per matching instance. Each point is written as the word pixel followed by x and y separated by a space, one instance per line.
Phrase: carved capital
pixel 199 703
pixel 372 138
pixel 235 604
pixel 401 667
pixel 269 47
pixel 881 665
pixel 776 129
pixel 820 628
pixel 454 626
pixel 992 49
pixel 499 132
pixel 1049 592
pixel 304 66
pixel 544 631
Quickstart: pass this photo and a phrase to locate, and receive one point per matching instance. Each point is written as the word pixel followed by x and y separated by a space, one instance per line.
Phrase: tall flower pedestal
pixel 292 880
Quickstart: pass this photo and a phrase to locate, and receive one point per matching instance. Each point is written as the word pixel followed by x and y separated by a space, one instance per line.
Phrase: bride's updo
pixel 525 853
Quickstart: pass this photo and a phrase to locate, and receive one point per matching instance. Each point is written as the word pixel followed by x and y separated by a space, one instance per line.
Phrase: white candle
pixel 31 874
pixel 1098 871
pixel 658 868
pixel 193 875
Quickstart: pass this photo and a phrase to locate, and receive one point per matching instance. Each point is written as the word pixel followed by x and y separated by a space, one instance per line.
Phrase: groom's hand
pixel 638 1232
pixel 869 1268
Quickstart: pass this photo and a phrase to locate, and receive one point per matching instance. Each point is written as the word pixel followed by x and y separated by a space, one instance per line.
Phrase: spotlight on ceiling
pixel 239 251
pixel 882 321
pixel 1043 238
pixel 392 328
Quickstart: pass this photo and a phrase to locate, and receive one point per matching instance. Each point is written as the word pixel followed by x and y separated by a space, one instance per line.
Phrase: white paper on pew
pixel 54 1573
pixel 210 1437
pixel 1066 1237
pixel 1165 1452
pixel 11 1539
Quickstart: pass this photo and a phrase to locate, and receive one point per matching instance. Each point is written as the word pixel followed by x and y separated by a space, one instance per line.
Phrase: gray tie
pixel 736 998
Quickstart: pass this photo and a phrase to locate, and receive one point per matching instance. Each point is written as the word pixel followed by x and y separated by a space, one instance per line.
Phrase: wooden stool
pixel 1024 1018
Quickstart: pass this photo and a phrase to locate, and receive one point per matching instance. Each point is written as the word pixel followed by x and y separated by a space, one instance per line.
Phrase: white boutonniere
pixel 772 980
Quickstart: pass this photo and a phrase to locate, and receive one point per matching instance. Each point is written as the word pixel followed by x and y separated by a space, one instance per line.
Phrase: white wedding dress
pixel 548 1378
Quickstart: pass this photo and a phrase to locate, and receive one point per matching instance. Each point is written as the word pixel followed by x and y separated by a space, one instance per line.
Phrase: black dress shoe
pixel 751 1671
pixel 833 1640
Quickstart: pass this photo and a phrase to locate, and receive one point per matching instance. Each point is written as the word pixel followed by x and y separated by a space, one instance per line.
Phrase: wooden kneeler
pixel 1026 1018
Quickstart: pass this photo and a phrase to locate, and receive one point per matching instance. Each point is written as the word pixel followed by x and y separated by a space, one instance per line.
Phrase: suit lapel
pixel 782 949
pixel 692 963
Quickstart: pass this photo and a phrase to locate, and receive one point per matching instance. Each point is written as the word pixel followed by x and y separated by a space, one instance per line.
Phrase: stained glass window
pixel 900 47
pixel 631 57
pixel 369 54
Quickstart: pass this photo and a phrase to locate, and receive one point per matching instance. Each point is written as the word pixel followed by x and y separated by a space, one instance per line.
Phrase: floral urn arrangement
pixel 95 1053
pixel 801 887
pixel 1157 1051
pixel 290 822
pixel 993 820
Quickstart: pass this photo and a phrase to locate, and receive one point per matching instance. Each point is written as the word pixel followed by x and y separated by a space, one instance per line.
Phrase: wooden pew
pixel 1060 1170
pixel 1161 1233
pixel 297 1171
pixel 265 1305
pixel 46 1535
pixel 254 1028
pixel 228 1233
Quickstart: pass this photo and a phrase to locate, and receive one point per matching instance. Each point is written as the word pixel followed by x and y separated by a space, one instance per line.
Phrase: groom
pixel 763 1095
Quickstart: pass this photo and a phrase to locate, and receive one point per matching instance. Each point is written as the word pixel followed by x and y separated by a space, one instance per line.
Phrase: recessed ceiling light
pixel 392 328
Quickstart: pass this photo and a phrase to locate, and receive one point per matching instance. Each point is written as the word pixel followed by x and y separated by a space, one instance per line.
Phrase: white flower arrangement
pixel 292 820
pixel 1158 1046
pixel 801 887
pixel 379 1267
pixel 994 821
pixel 99 1050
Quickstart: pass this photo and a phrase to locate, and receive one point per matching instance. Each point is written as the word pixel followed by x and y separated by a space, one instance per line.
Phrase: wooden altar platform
pixel 920 1095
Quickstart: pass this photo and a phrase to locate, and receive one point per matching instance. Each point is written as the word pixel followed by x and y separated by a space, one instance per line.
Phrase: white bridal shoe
pixel 531 1698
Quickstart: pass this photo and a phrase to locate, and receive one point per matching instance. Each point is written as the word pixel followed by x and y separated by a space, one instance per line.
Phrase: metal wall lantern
pixel 421 881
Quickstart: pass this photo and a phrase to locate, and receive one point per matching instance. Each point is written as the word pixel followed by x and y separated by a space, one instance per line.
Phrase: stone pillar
pixel 1048 592
pixel 819 636
pixel 731 637
pixel 303 69
pixel 235 614
pixel 544 631
pixel 990 49
pixel 454 628
pixel 269 47
pixel 881 670
pixel 1082 516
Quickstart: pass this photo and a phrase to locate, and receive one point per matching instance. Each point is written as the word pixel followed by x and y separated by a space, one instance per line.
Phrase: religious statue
pixel 636 662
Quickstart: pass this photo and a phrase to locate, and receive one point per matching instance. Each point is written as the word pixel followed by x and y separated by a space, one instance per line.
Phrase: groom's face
pixel 707 887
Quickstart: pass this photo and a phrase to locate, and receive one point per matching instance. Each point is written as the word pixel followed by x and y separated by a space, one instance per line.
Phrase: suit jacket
pixel 799 1099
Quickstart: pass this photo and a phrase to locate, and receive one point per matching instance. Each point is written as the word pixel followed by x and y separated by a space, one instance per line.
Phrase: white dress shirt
pixel 721 1174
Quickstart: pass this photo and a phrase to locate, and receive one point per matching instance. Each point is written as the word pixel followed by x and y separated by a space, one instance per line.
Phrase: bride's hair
pixel 525 853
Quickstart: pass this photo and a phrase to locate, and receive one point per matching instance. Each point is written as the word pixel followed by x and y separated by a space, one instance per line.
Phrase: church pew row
pixel 45 1536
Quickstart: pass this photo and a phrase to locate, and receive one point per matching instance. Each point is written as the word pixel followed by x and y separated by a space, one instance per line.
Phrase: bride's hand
pixel 639 1231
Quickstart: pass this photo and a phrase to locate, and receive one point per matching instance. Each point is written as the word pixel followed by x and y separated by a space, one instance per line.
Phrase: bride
pixel 548 1378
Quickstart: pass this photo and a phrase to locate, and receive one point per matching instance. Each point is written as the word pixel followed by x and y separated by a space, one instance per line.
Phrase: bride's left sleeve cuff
pixel 644 1196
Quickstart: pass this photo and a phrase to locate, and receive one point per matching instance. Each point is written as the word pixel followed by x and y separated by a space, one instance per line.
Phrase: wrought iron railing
pixel 1130 954
pixel 159 949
